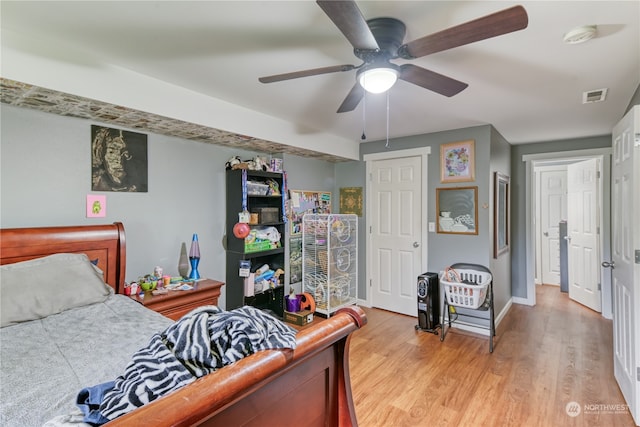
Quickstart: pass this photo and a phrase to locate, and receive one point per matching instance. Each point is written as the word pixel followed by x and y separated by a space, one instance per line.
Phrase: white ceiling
pixel 528 84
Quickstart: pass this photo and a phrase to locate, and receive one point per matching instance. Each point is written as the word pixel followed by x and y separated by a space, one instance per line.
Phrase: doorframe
pixel 424 153
pixel 605 220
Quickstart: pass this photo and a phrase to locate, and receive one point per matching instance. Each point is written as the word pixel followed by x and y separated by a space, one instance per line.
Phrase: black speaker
pixel 428 302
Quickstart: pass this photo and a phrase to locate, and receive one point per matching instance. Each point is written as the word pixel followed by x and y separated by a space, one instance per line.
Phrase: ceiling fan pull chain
pixel 387 144
pixel 364 115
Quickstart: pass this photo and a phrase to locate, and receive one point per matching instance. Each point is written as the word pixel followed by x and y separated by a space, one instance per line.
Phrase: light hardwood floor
pixel 544 357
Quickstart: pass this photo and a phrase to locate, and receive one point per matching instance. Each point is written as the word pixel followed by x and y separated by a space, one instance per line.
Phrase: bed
pixel 308 386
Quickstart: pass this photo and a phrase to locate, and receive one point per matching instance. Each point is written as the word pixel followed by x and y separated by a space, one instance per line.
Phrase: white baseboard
pixel 522 301
pixel 468 327
pixel 504 312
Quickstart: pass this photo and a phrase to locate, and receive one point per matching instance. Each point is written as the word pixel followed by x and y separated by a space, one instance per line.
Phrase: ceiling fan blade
pixel 306 73
pixel 347 17
pixel 496 24
pixel 431 80
pixel 353 99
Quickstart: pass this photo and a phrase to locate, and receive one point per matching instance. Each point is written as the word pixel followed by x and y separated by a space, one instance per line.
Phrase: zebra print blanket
pixel 202 341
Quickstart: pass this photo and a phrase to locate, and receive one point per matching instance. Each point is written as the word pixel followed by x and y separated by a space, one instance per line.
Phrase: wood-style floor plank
pixel 544 357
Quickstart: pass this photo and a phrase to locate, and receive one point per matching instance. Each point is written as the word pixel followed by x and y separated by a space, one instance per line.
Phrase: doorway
pixel 396 194
pixel 536 163
pixel 568 191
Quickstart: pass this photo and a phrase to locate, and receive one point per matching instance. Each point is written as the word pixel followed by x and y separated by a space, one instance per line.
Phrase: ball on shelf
pixel 241 230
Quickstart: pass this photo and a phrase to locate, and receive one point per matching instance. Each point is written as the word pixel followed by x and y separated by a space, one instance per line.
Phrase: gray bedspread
pixel 45 363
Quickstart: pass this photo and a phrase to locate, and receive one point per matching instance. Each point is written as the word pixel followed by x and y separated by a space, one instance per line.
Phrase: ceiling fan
pixel 378 41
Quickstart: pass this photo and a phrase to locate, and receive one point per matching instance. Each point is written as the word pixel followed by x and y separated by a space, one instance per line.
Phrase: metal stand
pixel 468 312
pixel 434 331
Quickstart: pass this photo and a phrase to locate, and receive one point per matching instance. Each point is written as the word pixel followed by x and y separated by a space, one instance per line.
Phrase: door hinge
pixel 597 230
pixel 370 229
pixel 599 286
pixel 637 256
pixel 370 283
pixel 598 174
pixel 638 372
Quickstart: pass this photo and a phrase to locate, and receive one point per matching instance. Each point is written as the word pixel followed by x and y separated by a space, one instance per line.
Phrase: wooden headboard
pixel 103 244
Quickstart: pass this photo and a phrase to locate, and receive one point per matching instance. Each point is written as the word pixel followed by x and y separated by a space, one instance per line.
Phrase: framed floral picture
pixel 457 161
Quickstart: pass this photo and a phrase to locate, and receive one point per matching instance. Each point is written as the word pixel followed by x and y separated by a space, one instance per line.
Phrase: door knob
pixel 416 244
pixel 567 238
pixel 606 264
pixel 546 233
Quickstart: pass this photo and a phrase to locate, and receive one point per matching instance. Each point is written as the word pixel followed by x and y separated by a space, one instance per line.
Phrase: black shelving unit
pixel 271 298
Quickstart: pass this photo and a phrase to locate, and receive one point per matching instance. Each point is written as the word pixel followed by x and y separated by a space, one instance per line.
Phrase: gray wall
pixel 309 174
pixel 518 194
pixel 45 176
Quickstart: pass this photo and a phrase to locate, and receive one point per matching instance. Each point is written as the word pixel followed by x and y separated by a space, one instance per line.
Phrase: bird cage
pixel 330 260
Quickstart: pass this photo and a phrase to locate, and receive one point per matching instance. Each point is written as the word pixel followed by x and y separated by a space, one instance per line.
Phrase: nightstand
pixel 175 304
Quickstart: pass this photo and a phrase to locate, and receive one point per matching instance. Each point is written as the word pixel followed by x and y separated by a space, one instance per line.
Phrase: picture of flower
pixel 457 162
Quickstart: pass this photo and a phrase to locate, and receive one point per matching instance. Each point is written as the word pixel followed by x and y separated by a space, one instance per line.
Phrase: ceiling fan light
pixel 378 80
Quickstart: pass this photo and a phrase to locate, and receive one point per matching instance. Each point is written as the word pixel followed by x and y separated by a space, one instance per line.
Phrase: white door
pixel 395 232
pixel 583 254
pixel 625 211
pixel 553 209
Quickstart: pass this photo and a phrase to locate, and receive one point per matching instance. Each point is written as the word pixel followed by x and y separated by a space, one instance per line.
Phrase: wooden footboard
pixel 306 387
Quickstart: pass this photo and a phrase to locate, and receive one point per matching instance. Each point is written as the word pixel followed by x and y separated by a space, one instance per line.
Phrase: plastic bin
pixel 467 288
pixel 257 188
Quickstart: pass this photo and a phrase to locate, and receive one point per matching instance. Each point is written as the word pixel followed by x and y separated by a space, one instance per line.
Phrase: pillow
pixel 44 286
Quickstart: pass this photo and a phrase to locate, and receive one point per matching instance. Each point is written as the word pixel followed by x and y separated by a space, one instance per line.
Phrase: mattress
pixel 45 363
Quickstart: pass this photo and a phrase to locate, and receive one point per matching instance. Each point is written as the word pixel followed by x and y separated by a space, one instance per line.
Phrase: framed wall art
pixel 118 160
pixel 351 200
pixel 457 161
pixel 457 210
pixel 500 214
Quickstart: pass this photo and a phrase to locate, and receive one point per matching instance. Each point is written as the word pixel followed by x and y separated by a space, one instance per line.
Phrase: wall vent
pixel 596 95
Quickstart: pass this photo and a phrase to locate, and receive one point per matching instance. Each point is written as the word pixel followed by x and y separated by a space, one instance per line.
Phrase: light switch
pixel 432 227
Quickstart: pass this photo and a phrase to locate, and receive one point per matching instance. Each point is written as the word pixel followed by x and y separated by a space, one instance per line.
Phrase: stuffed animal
pixel 260 163
pixel 235 160
pixel 251 165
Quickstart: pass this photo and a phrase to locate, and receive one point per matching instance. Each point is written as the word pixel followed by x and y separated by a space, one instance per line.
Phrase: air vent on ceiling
pixel 596 95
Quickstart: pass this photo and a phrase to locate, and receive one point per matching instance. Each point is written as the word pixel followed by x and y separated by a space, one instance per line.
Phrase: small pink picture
pixel 96 206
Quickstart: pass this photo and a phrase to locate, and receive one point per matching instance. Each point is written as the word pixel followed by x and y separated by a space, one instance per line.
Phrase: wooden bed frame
pixel 306 387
